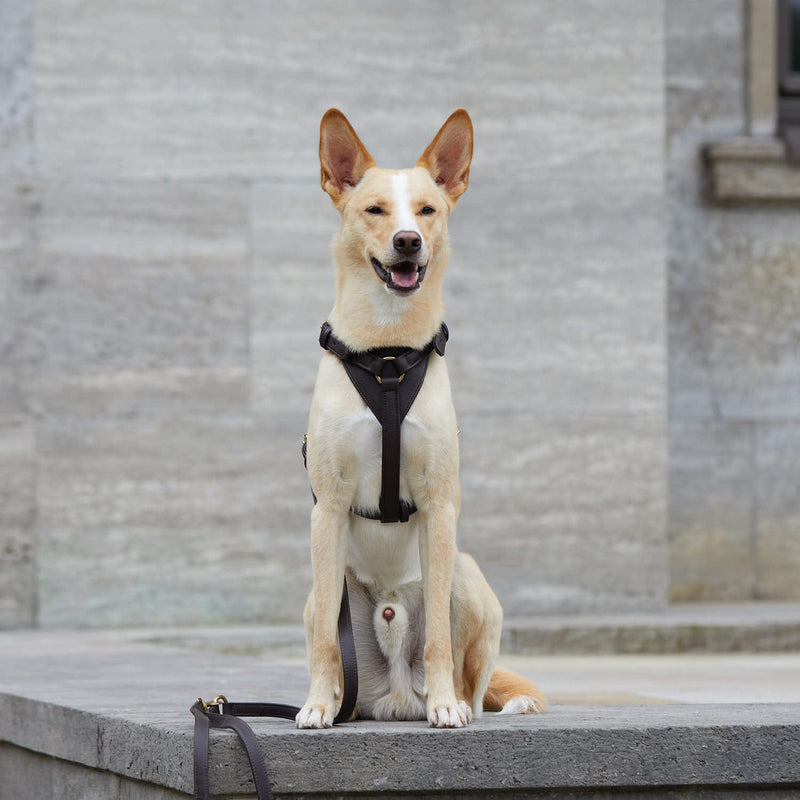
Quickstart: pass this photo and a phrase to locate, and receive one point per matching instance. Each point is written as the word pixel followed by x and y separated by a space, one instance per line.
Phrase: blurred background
pixel 623 295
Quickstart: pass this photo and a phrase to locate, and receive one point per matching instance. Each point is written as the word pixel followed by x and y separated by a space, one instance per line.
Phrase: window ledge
pixel 751 170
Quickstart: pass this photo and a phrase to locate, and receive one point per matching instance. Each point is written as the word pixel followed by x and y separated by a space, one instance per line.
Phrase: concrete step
pixel 86 715
pixel 687 628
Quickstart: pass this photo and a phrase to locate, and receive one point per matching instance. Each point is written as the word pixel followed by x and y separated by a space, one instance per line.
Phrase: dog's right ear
pixel 342 156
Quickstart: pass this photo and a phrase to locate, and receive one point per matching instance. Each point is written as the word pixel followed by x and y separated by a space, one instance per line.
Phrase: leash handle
pixel 223 714
pixel 204 720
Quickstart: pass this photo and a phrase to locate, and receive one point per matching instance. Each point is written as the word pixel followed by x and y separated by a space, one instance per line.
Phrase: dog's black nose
pixel 407 242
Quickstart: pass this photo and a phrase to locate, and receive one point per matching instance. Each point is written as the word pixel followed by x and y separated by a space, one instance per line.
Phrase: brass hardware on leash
pixel 215 703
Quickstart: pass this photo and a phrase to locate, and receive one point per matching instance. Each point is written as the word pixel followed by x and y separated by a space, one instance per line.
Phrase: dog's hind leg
pixel 476 623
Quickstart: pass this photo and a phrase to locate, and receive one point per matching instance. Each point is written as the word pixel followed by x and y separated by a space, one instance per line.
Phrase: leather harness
pixel 388 380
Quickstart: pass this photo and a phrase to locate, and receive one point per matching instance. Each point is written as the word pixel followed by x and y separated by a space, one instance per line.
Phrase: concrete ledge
pixel 689 628
pixel 683 628
pixel 748 170
pixel 108 715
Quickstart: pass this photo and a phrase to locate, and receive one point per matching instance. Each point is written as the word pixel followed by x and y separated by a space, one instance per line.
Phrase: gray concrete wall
pixel 166 268
pixel 734 337
pixel 17 215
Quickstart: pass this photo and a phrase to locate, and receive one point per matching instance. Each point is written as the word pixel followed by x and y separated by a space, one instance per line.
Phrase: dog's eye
pixel 375 210
pixel 426 210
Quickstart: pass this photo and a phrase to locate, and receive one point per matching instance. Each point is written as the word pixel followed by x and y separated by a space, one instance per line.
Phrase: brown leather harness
pixel 388 380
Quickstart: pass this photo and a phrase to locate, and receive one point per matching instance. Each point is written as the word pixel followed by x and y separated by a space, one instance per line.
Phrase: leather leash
pixel 388 380
pixel 220 713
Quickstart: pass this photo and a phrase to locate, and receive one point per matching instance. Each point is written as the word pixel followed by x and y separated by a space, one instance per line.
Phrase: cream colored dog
pixel 427 624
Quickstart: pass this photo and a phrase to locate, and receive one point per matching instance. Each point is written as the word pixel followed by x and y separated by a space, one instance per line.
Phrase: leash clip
pixel 215 703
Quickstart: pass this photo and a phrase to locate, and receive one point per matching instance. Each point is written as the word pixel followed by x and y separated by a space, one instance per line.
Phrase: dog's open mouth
pixel 401 278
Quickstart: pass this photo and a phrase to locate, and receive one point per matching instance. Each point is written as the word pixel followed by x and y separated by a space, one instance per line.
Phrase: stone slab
pixel 680 628
pixel 117 91
pixel 733 327
pixel 18 585
pixel 16 99
pixel 712 509
pixel 742 171
pixel 18 205
pixel 122 708
pixel 778 510
pixel 162 508
pixel 698 628
pixel 544 303
pixel 292 291
pixel 705 69
pixel 534 490
pixel 135 286
pixel 33 776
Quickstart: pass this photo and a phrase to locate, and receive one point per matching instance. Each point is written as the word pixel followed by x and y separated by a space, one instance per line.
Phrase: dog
pixel 426 623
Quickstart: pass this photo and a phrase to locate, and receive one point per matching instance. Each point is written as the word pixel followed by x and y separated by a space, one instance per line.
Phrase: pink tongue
pixel 404 279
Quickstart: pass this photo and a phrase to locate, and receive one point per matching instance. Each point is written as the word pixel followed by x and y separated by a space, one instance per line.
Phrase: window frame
pixel 788 79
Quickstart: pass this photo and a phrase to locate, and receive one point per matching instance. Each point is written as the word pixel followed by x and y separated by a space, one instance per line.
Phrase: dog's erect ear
pixel 448 156
pixel 342 156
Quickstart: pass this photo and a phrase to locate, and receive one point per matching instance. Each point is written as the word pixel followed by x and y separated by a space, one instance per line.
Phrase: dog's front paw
pixel 315 715
pixel 449 715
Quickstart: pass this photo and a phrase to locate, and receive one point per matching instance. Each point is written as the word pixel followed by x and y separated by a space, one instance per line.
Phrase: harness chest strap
pixel 388 380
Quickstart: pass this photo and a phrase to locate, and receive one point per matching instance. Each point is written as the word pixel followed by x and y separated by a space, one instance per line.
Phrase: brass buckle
pixel 215 703
pixel 390 358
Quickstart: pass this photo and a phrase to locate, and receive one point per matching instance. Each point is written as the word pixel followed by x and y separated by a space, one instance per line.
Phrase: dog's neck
pixel 366 316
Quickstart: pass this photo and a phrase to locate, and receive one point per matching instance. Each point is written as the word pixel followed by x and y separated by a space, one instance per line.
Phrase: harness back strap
pixel 388 380
pixel 222 714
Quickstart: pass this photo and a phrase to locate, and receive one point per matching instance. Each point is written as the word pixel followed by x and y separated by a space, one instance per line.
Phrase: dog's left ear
pixel 448 156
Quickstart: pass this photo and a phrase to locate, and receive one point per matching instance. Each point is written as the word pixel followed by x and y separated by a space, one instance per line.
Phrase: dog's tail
pixel 509 693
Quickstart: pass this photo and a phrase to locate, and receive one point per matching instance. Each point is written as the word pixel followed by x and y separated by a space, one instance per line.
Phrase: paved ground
pixel 623 680
pixel 605 679
pixel 571 679
pixel 89 708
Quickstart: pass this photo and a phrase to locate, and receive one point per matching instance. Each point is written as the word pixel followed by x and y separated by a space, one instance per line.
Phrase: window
pixel 760 166
pixel 789 72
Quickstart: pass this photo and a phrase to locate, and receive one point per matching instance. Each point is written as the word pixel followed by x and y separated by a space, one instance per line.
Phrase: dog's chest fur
pixel 387 555
pixel 347 434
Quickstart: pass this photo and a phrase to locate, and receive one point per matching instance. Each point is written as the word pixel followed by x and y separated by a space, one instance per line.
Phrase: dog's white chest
pixel 345 444
pixel 365 435
pixel 378 553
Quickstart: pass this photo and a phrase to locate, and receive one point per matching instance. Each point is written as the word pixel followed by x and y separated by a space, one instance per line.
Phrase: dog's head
pixel 394 222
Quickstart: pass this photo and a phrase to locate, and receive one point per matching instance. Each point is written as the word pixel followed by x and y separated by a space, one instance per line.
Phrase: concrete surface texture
pixel 166 269
pixel 101 714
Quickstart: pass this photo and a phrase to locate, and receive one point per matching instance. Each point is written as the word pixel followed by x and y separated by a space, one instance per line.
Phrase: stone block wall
pixel 166 269
pixel 734 336
pixel 18 584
